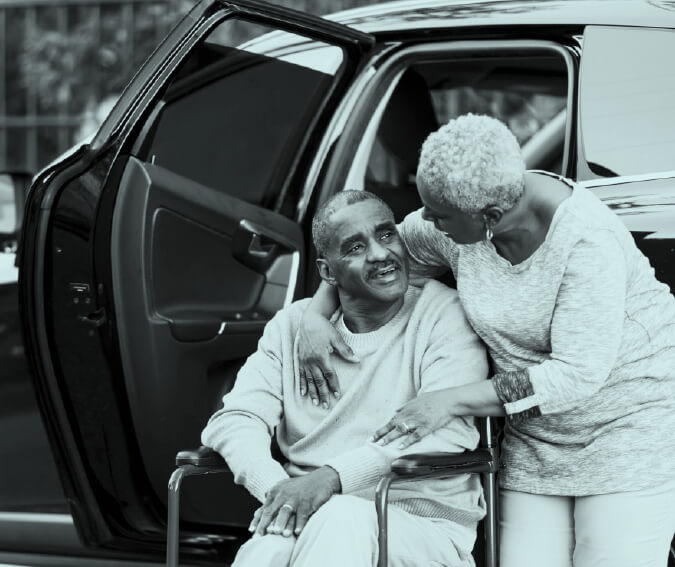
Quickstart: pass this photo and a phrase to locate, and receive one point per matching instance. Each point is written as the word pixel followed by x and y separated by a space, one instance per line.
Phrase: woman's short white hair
pixel 472 162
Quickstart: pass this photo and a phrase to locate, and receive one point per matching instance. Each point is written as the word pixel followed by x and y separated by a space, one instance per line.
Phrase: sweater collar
pixel 366 341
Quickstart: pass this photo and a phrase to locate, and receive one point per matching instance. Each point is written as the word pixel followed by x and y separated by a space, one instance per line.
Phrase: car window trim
pixel 625 179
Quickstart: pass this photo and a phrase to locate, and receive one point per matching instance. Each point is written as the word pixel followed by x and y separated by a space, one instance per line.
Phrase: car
pixel 151 258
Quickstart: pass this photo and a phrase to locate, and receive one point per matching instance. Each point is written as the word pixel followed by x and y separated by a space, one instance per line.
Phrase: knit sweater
pixel 584 315
pixel 428 345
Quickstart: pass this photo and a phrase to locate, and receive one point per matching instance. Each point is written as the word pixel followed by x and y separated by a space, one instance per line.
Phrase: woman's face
pixel 462 227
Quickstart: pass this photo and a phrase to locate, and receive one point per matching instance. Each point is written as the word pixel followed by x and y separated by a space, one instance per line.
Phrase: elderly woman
pixel 582 339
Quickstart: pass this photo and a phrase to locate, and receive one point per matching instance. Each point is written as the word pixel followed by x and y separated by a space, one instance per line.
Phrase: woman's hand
pixel 417 418
pixel 317 339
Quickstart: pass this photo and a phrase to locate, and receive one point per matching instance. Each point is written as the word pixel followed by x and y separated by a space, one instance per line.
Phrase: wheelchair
pixel 484 460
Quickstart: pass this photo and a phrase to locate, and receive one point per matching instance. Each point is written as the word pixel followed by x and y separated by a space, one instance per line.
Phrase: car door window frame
pixel 380 82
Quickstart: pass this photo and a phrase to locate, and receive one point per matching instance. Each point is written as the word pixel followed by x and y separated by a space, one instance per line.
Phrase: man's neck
pixel 365 315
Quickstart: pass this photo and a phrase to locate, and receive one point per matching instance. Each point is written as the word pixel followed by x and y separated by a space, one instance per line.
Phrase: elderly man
pixel 318 506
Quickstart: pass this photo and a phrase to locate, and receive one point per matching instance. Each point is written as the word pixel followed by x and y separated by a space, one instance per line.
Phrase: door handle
pixel 257 247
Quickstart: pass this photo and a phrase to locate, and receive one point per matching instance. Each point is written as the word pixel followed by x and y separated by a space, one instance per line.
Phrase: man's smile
pixel 385 274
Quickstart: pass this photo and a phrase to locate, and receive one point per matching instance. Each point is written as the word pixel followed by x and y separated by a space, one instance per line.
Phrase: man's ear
pixel 325 271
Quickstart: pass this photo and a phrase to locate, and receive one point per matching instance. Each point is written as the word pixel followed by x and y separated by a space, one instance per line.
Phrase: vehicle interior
pixel 529 93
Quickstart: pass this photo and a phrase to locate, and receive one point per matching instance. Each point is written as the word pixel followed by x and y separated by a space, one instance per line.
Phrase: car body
pixel 152 257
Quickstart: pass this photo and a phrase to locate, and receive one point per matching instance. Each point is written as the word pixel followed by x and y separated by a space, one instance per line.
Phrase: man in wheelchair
pixel 318 506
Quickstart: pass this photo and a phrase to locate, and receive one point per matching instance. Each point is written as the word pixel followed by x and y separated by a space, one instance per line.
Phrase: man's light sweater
pixel 595 332
pixel 428 345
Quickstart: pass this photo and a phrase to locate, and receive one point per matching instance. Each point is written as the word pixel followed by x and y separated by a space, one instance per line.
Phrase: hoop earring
pixel 488 232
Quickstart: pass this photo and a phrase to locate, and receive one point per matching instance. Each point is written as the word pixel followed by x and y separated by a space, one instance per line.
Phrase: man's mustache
pixel 380 266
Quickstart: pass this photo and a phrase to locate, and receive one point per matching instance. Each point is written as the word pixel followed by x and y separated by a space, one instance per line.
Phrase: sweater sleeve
pixel 453 355
pixel 242 430
pixel 430 251
pixel 586 331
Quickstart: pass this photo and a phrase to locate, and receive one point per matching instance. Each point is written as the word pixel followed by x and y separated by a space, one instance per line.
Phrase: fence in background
pixel 61 61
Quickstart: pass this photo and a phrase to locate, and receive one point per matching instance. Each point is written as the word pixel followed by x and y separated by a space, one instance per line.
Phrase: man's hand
pixel 291 502
pixel 316 340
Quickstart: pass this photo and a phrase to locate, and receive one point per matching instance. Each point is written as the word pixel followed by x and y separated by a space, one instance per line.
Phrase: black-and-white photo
pixel 337 283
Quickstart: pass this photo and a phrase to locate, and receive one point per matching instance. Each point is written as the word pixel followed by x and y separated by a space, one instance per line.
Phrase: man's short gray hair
pixel 320 223
pixel 472 162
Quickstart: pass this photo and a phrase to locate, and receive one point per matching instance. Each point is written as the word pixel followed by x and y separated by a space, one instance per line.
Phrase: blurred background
pixel 64 63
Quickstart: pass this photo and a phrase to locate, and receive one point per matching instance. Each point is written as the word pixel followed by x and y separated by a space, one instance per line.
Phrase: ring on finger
pixel 404 428
pixel 289 507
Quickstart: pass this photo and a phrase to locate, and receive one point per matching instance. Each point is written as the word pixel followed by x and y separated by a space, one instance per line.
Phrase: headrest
pixel 408 119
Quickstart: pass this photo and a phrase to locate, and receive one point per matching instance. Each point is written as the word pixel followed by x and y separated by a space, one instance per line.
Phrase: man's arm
pixel 242 430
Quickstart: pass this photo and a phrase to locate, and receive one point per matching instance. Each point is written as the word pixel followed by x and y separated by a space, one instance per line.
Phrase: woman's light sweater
pixel 595 330
pixel 428 345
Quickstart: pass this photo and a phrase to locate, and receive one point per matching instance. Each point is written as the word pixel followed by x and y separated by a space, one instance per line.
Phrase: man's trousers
pixel 343 532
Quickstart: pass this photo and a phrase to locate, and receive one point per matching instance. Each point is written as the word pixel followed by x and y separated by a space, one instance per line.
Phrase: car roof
pixel 438 14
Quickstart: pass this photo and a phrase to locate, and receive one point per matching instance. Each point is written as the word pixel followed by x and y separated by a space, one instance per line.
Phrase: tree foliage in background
pixel 93 61
pixel 96 57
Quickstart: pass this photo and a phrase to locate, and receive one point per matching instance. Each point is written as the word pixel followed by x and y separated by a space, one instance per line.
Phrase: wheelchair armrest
pixel 201 457
pixel 426 465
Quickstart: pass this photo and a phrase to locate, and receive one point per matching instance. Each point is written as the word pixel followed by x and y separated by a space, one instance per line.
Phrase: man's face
pixel 366 257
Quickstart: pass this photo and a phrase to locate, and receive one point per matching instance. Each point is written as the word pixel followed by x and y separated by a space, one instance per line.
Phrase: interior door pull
pixel 257 246
pixel 258 249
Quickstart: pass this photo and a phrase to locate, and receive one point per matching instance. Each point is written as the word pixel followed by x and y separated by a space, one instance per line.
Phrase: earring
pixel 488 232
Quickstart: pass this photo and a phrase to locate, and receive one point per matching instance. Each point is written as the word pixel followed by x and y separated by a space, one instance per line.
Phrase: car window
pixel 529 94
pixel 626 102
pixel 237 110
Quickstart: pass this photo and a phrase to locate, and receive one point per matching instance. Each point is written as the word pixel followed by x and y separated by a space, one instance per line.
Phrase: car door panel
pixel 195 278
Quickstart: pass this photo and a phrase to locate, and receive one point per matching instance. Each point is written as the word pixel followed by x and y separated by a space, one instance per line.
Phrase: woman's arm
pixel 586 333
pixel 430 411
pixel 453 378
pixel 431 252
pixel 316 340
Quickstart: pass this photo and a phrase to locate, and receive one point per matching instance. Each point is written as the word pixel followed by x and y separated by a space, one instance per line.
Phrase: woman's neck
pixel 523 229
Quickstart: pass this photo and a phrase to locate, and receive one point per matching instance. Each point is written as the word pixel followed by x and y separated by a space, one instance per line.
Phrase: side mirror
pixel 13 190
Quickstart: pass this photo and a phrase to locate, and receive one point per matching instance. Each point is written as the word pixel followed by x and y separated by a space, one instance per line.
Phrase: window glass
pixel 234 117
pixel 626 101
pixel 529 94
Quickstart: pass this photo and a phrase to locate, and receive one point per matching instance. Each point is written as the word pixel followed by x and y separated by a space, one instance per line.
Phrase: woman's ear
pixel 492 215
pixel 325 272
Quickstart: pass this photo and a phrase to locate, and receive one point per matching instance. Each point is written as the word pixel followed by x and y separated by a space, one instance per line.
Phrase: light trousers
pixel 627 529
pixel 343 532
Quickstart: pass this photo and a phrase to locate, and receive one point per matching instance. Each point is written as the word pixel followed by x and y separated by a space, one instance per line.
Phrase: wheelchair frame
pixel 484 460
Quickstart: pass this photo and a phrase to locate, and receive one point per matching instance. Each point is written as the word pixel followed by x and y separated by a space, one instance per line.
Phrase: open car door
pixel 152 258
